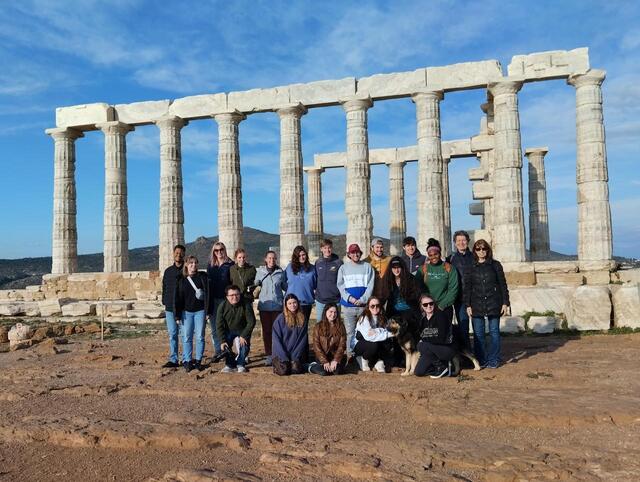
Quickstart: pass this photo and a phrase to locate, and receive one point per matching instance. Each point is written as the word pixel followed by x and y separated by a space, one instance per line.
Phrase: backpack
pixel 425 272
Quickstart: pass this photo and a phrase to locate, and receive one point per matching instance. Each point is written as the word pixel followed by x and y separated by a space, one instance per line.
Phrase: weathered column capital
pixel 171 121
pixel 536 151
pixel 504 87
pixel 313 170
pixel 58 133
pixel 356 103
pixel 232 117
pixel 115 127
pixel 592 77
pixel 428 94
pixel 297 110
pixel 396 163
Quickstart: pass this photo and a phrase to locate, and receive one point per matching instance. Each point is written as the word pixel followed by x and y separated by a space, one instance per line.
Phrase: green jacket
pixel 243 278
pixel 238 318
pixel 439 281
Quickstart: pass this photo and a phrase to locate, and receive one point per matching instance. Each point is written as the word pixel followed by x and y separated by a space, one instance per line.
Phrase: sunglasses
pixel 430 303
pixel 481 249
pixel 218 250
pixel 374 306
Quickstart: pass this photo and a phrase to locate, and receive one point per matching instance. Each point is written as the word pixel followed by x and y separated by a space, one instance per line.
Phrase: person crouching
pixel 290 344
pixel 329 343
pixel 235 321
pixel 436 341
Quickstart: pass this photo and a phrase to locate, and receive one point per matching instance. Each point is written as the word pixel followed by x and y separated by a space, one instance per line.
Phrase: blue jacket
pixel 327 271
pixel 303 284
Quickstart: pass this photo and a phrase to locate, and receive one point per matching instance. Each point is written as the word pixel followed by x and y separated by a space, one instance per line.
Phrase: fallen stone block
pixel 511 324
pixel 539 299
pixel 115 308
pixel 50 307
pixel 626 306
pixel 18 333
pixel 542 324
pixel 79 308
pixel 590 308
pixel 147 295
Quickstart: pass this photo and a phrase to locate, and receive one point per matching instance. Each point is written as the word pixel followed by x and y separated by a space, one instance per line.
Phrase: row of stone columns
pixel 506 213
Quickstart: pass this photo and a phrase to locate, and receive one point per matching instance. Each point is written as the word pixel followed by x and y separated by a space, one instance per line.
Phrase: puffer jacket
pixel 243 277
pixel 485 288
pixel 272 288
pixel 329 340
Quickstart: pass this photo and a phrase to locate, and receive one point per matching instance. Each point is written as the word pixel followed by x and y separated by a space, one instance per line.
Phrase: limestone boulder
pixel 31 308
pixel 147 295
pixel 626 306
pixel 49 307
pixel 113 308
pixel 589 308
pixel 542 324
pixel 79 308
pixel 18 333
pixel 512 324
pixel 12 308
pixel 146 309
pixel 540 299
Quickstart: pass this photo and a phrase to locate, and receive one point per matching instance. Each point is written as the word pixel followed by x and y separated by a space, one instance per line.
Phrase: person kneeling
pixel 235 321
pixel 329 343
pixel 373 340
pixel 290 343
pixel 436 341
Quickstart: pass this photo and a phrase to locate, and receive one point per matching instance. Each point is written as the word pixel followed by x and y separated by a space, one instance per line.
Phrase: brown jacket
pixel 329 340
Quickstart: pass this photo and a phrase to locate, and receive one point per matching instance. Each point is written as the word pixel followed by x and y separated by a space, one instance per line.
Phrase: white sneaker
pixel 227 369
pixel 363 364
pixel 379 366
pixel 268 361
pixel 242 369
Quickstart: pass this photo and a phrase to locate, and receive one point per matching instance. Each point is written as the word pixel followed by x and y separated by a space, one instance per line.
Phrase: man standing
pixel 380 264
pixel 235 321
pixel 461 259
pixel 169 281
pixel 355 282
pixel 327 267
pixel 412 256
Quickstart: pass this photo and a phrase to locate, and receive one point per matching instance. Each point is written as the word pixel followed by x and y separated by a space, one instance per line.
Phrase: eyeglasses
pixel 481 249
pixel 374 306
pixel 430 303
pixel 219 250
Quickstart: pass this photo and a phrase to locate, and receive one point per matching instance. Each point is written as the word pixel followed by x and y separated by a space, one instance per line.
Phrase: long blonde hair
pixel 213 259
pixel 293 319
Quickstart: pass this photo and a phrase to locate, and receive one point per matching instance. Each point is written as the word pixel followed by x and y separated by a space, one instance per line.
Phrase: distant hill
pixel 18 273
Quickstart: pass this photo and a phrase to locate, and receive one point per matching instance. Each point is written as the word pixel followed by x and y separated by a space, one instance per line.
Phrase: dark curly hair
pixel 409 289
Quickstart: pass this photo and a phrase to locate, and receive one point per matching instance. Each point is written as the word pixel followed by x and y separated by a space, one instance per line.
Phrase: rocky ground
pixel 560 408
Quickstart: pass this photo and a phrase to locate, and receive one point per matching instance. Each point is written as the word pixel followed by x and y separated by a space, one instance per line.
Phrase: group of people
pixel 355 301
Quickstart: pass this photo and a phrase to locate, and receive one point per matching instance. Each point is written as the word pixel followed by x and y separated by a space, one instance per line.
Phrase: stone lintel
pixel 457 148
pixel 323 92
pixel 84 116
pixel 199 106
pixel 463 76
pixel 141 113
pixel 536 150
pixel 555 64
pixel 482 142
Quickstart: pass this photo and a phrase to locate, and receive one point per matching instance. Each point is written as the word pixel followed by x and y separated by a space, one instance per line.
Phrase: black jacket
pixel 327 271
pixel 437 329
pixel 169 280
pixel 462 262
pixel 185 296
pixel 485 288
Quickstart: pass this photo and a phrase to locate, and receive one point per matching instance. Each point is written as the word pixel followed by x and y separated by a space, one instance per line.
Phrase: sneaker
pixel 242 369
pixel 440 373
pixel 247 360
pixel 170 364
pixel 227 369
pixel 268 361
pixel 492 365
pixel 379 366
pixel 187 366
pixel 363 364
pixel 198 365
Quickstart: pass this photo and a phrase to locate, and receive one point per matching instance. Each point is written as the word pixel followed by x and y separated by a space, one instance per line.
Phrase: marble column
pixel 229 181
pixel 64 252
pixel 358 187
pixel 446 244
pixel 508 214
pixel 594 212
pixel 171 226
pixel 538 215
pixel 430 223
pixel 397 213
pixel 116 214
pixel 291 190
pixel 315 232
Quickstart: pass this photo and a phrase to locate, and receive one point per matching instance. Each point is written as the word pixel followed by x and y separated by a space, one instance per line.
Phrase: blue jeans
pixel 491 357
pixel 320 309
pixel 231 359
pixel 463 323
pixel 173 330
pixel 193 324
pixel 214 330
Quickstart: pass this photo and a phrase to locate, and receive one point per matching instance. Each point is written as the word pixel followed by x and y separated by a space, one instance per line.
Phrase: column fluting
pixel 538 214
pixel 315 231
pixel 397 213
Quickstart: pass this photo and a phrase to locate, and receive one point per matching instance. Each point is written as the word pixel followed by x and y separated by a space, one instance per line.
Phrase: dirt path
pixel 561 408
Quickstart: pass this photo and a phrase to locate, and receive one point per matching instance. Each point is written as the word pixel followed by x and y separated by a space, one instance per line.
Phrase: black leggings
pixel 372 351
pixel 318 368
pixel 431 354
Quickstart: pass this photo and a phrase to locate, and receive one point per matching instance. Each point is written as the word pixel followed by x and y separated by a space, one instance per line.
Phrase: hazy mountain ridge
pixel 18 273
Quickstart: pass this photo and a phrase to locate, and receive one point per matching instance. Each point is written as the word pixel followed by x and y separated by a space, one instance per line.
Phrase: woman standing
pixel 191 298
pixel 243 275
pixel 403 291
pixel 486 296
pixel 302 280
pixel 436 341
pixel 372 339
pixel 290 339
pixel 438 279
pixel 218 273
pixel 272 282
pixel 329 343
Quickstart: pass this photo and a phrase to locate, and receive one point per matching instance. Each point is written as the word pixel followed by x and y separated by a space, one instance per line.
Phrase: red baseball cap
pixel 354 248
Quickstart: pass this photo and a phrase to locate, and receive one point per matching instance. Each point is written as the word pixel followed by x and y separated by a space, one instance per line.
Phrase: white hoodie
pixel 364 326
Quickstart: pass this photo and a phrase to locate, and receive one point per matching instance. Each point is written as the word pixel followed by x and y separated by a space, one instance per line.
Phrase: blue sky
pixel 58 53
